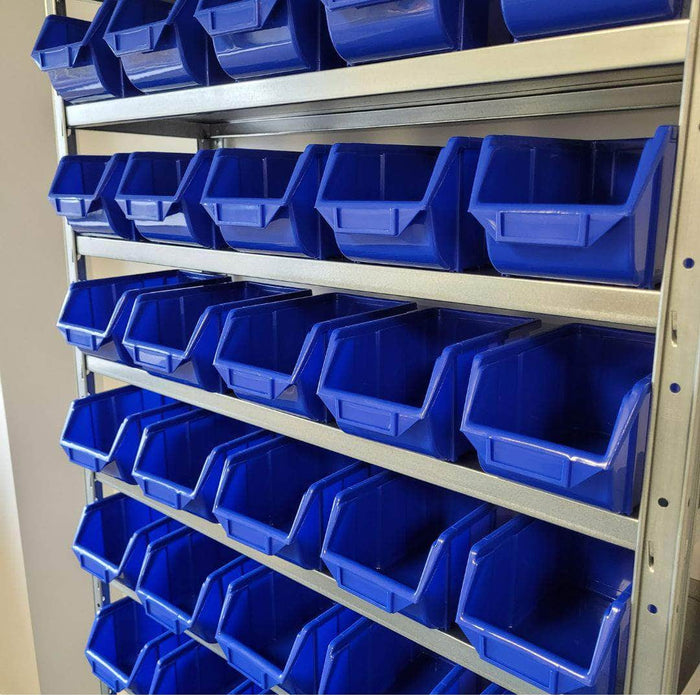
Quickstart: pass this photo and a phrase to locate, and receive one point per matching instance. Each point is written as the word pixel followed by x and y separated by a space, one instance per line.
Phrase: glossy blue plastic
pixel 533 19
pixel 594 211
pixel 95 312
pixel 180 461
pixel 113 535
pixel 550 606
pixel 376 30
pixel 102 431
pixel 162 46
pixel 185 351
pixel 75 56
pixel 124 645
pixel 265 200
pixel 269 626
pixel 402 545
pixel 566 411
pixel 404 205
pixel 83 191
pixel 254 38
pixel 291 524
pixel 402 380
pixel 273 354
pixel 184 579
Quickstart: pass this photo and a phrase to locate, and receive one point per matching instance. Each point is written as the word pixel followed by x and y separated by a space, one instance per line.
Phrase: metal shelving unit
pixel 620 70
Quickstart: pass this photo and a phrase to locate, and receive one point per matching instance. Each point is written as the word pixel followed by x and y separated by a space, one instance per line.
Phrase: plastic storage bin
pixel 404 205
pixel 566 411
pixel 549 605
pixel 532 20
pixel 402 545
pixel 75 56
pixel 265 201
pixel 403 380
pixel 113 535
pixel 254 38
pixel 185 351
pixel 102 431
pixel 162 46
pixel 376 30
pixel 180 461
pixel 285 624
pixel 161 193
pixel 593 211
pixel 184 580
pixel 83 192
pixel 273 354
pixel 95 312
pixel 291 524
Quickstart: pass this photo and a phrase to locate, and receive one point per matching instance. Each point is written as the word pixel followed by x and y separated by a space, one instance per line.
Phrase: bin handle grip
pixel 384 421
pixel 382 222
pixel 342 4
pixel 241 16
pixel 242 213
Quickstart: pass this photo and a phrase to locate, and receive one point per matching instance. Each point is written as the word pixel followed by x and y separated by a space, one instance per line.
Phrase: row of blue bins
pixel 137 46
pixel 593 211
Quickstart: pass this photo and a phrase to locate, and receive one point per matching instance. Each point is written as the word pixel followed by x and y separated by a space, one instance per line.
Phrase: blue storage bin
pixel 265 200
pixel 180 460
pixel 533 19
pixel 285 628
pixel 291 524
pixel 83 191
pixel 75 56
pixel 594 211
pixel 184 351
pixel 404 205
pixel 566 411
pixel 402 545
pixel 123 646
pixel 254 38
pixel 102 431
pixel 161 193
pixel 113 535
pixel 402 380
pixel 162 46
pixel 273 354
pixel 250 688
pixel 550 606
pixel 376 30
pixel 184 579
pixel 95 312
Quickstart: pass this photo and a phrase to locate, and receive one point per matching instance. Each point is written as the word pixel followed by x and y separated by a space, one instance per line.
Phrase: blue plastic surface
pixel 265 200
pixel 95 312
pixel 113 535
pixel 404 205
pixel 375 30
pixel 103 431
pixel 402 545
pixel 185 351
pixel 75 56
pixel 124 644
pixel 533 19
pixel 593 211
pixel 180 461
pixel 161 193
pixel 402 380
pixel 83 191
pixel 566 411
pixel 550 606
pixel 184 579
pixel 162 46
pixel 273 354
pixel 284 630
pixel 277 510
pixel 254 38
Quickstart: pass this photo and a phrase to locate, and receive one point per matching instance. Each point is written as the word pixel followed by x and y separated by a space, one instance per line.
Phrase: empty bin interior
pixel 61 31
pixel 79 176
pixel 566 390
pixel 369 174
pixel 135 13
pixel 561 172
pixel 156 175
